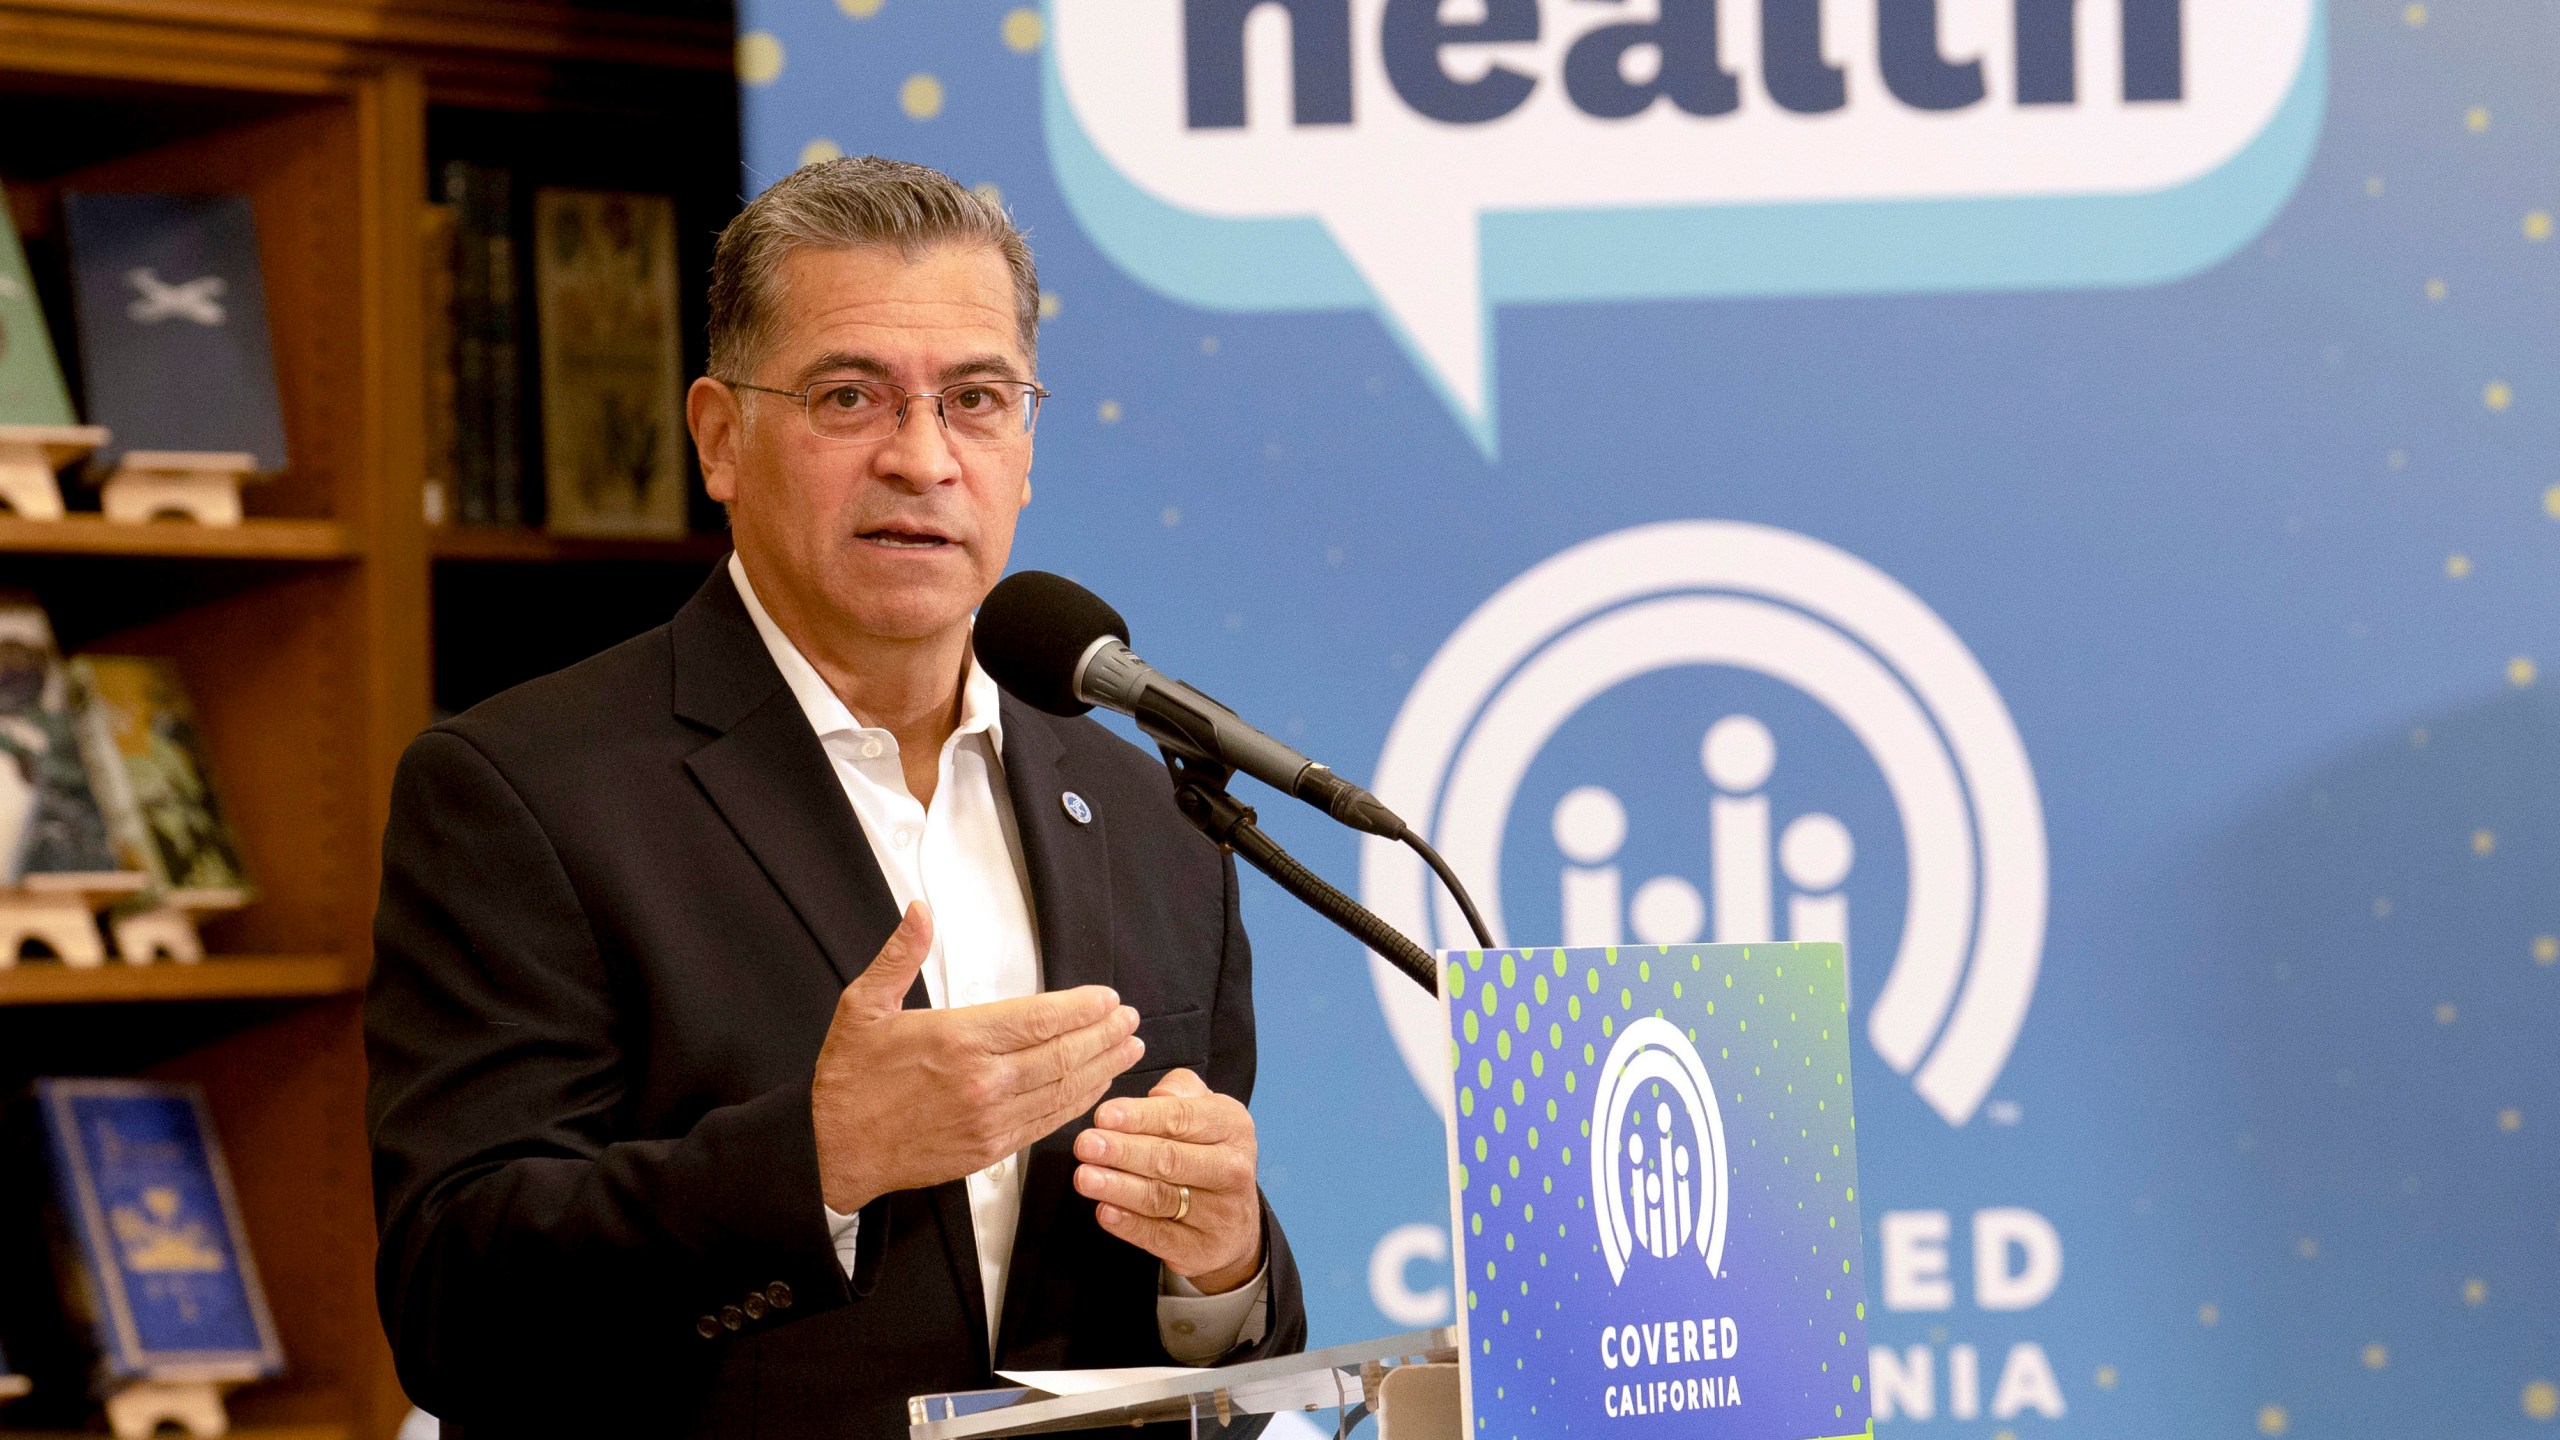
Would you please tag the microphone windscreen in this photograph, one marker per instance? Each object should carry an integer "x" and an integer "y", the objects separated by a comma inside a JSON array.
[{"x": 1033, "y": 628}]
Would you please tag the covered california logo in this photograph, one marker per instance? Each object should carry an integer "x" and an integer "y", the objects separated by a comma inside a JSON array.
[
  {"x": 1724, "y": 594},
  {"x": 1658, "y": 1158}
]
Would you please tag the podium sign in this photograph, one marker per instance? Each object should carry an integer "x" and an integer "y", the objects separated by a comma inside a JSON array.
[{"x": 1656, "y": 1192}]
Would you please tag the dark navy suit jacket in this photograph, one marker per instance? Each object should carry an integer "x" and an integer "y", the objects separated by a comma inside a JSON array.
[{"x": 618, "y": 905}]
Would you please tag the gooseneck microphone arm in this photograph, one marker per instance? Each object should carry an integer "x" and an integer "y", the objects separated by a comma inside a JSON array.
[{"x": 1200, "y": 792}]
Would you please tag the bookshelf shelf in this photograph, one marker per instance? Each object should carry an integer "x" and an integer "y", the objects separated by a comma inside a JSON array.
[
  {"x": 517, "y": 545},
  {"x": 319, "y": 540},
  {"x": 218, "y": 977}
]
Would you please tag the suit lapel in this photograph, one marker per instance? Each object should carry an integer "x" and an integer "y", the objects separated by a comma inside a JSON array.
[
  {"x": 1069, "y": 862},
  {"x": 769, "y": 777}
]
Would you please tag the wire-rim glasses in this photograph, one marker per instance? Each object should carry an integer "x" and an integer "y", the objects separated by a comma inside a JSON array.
[{"x": 981, "y": 412}]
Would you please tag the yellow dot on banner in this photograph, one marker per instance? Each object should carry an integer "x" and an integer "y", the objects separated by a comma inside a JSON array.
[
  {"x": 2397, "y": 459},
  {"x": 2484, "y": 842},
  {"x": 2415, "y": 14},
  {"x": 2373, "y": 185},
  {"x": 986, "y": 190},
  {"x": 2307, "y": 1248},
  {"x": 2375, "y": 1357},
  {"x": 820, "y": 150},
  {"x": 2208, "y": 1314},
  {"x": 1023, "y": 29},
  {"x": 2476, "y": 119},
  {"x": 2418, "y": 737},
  {"x": 2537, "y": 225},
  {"x": 2474, "y": 1292},
  {"x": 2381, "y": 908},
  {"x": 859, "y": 9},
  {"x": 2435, "y": 290},
  {"x": 2551, "y": 502},
  {"x": 2520, "y": 671},
  {"x": 1172, "y": 517},
  {"x": 2541, "y": 1399},
  {"x": 759, "y": 57},
  {"x": 2272, "y": 1420},
  {"x": 2457, "y": 565},
  {"x": 2511, "y": 1120},
  {"x": 1109, "y": 410},
  {"x": 920, "y": 97},
  {"x": 2106, "y": 1377},
  {"x": 1050, "y": 304},
  {"x": 2546, "y": 949},
  {"x": 2497, "y": 395},
  {"x": 2445, "y": 1014}
]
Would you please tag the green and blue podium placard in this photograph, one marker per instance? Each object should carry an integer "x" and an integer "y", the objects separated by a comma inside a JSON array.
[{"x": 1655, "y": 1192}]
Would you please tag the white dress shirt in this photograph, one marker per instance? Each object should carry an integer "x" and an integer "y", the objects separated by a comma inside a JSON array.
[{"x": 962, "y": 856}]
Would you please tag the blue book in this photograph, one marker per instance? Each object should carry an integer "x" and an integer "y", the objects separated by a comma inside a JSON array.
[
  {"x": 146, "y": 1204},
  {"x": 173, "y": 323}
]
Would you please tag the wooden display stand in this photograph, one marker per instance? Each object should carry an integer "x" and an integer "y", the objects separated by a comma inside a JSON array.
[
  {"x": 195, "y": 1406},
  {"x": 31, "y": 456},
  {"x": 203, "y": 486},
  {"x": 61, "y": 912},
  {"x": 165, "y": 931}
]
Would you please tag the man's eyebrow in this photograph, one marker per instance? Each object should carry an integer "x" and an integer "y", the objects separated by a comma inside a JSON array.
[
  {"x": 994, "y": 366},
  {"x": 839, "y": 361}
]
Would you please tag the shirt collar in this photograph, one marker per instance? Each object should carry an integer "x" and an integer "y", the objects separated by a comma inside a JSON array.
[{"x": 980, "y": 707}]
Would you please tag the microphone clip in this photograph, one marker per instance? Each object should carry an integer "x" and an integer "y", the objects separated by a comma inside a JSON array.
[{"x": 1200, "y": 793}]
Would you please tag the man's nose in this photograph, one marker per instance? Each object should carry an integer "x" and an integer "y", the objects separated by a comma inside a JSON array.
[{"x": 918, "y": 452}]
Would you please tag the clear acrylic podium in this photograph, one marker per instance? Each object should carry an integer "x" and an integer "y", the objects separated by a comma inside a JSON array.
[{"x": 1409, "y": 1381}]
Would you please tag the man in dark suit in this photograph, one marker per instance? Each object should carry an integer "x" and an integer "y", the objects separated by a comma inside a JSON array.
[{"x": 769, "y": 1020}]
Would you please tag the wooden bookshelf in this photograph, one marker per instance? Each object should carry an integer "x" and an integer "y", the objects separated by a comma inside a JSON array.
[
  {"x": 314, "y": 636},
  {"x": 216, "y": 977},
  {"x": 260, "y": 539}
]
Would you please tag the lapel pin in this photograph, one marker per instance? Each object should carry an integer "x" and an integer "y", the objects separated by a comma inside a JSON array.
[{"x": 1077, "y": 810}]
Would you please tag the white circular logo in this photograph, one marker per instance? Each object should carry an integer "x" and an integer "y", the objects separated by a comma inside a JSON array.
[
  {"x": 1657, "y": 1186},
  {"x": 1783, "y": 605}
]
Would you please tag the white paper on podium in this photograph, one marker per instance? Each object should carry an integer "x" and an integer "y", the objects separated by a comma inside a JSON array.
[
  {"x": 1087, "y": 1382},
  {"x": 1316, "y": 1389}
]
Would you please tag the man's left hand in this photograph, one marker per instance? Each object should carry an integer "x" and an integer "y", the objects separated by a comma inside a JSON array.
[{"x": 1142, "y": 1155}]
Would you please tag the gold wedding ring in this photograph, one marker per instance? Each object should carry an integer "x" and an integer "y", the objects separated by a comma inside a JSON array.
[{"x": 1181, "y": 1203}]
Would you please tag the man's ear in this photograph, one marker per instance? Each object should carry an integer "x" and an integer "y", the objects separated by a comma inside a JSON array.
[{"x": 711, "y": 412}]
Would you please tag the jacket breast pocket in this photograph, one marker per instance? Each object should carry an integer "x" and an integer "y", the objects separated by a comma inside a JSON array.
[{"x": 1175, "y": 1041}]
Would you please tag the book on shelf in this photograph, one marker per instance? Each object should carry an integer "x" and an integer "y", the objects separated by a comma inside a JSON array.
[
  {"x": 53, "y": 833},
  {"x": 487, "y": 352},
  {"x": 613, "y": 433},
  {"x": 154, "y": 782},
  {"x": 151, "y": 1263},
  {"x": 32, "y": 391},
  {"x": 171, "y": 304},
  {"x": 436, "y": 247}
]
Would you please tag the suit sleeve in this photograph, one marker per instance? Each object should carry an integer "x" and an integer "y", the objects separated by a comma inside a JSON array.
[
  {"x": 520, "y": 1246},
  {"x": 1231, "y": 1065}
]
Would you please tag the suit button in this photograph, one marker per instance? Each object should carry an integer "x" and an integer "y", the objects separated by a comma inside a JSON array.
[
  {"x": 708, "y": 1327},
  {"x": 732, "y": 1317},
  {"x": 778, "y": 1295},
  {"x": 1184, "y": 1327},
  {"x": 754, "y": 1305}
]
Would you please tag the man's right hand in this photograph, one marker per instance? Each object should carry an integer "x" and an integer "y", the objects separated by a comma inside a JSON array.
[{"x": 905, "y": 1099}]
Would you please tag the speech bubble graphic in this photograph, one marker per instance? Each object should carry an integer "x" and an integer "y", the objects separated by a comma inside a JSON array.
[{"x": 1434, "y": 159}]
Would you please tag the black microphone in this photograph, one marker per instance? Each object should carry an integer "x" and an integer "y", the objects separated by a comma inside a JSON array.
[{"x": 1060, "y": 648}]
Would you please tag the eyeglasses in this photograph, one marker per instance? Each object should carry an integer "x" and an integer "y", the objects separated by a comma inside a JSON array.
[{"x": 978, "y": 412}]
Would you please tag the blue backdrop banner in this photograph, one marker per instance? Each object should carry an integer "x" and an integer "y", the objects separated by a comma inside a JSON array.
[{"x": 2057, "y": 496}]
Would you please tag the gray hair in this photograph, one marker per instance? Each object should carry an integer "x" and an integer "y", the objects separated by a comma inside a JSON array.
[{"x": 843, "y": 204}]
